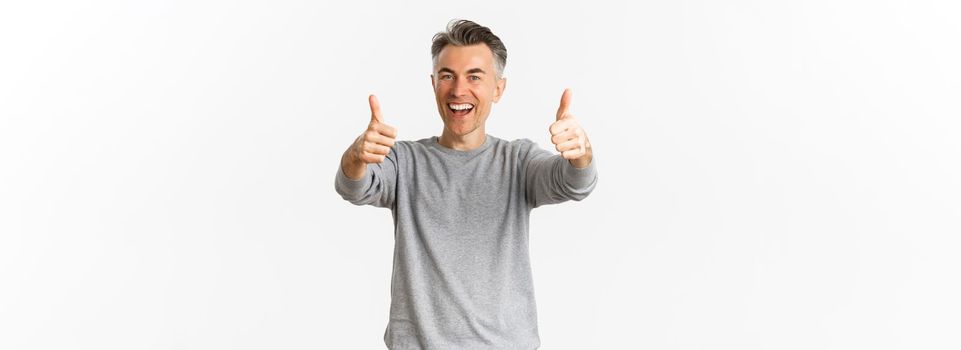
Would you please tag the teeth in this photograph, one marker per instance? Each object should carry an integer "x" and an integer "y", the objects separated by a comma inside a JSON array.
[{"x": 461, "y": 106}]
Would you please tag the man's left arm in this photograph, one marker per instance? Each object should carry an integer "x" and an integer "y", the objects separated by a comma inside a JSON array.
[{"x": 572, "y": 174}]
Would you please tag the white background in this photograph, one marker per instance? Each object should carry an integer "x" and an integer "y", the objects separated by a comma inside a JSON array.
[{"x": 773, "y": 174}]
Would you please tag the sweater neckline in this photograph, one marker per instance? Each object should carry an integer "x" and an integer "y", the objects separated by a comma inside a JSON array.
[{"x": 435, "y": 143}]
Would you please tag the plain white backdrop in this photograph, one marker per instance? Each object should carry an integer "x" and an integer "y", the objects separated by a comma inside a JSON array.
[{"x": 773, "y": 174}]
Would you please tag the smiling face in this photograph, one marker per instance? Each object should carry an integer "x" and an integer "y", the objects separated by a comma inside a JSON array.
[{"x": 465, "y": 85}]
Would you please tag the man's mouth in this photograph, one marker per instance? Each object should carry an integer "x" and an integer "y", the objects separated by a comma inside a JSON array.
[{"x": 460, "y": 109}]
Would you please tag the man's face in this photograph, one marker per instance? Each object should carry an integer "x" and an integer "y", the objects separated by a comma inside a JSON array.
[{"x": 464, "y": 76}]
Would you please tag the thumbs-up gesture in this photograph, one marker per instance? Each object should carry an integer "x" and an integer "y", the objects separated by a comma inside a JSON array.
[
  {"x": 568, "y": 137},
  {"x": 374, "y": 144},
  {"x": 370, "y": 147}
]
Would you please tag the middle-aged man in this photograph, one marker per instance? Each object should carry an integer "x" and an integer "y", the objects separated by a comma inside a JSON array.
[{"x": 461, "y": 203}]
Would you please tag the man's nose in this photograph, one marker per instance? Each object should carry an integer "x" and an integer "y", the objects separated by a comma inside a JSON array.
[{"x": 459, "y": 89}]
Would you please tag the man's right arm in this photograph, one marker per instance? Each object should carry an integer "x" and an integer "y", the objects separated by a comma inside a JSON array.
[{"x": 360, "y": 183}]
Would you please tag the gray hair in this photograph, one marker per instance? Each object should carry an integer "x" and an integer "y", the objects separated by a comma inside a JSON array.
[{"x": 461, "y": 32}]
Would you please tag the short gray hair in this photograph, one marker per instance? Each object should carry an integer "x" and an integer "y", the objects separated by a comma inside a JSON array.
[{"x": 461, "y": 32}]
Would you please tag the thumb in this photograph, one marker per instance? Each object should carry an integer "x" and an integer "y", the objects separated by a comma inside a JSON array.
[
  {"x": 375, "y": 109},
  {"x": 565, "y": 104}
]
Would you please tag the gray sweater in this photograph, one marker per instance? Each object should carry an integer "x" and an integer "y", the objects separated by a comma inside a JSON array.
[{"x": 462, "y": 274}]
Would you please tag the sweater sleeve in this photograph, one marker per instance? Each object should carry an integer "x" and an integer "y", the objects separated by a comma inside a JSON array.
[
  {"x": 551, "y": 179},
  {"x": 376, "y": 187}
]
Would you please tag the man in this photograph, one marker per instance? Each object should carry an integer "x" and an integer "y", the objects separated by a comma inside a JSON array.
[{"x": 461, "y": 203}]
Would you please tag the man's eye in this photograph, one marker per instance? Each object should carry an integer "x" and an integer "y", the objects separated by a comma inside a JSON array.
[
  {"x": 474, "y": 77},
  {"x": 446, "y": 76}
]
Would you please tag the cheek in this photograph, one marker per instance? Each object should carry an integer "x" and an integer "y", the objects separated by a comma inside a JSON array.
[{"x": 484, "y": 92}]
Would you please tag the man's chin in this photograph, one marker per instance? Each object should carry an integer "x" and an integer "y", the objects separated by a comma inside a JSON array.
[
  {"x": 459, "y": 129},
  {"x": 460, "y": 126}
]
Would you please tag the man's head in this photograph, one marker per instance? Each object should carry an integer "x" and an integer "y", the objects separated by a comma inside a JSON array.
[{"x": 469, "y": 63}]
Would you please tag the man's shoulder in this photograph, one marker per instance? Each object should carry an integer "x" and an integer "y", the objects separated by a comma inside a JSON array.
[
  {"x": 523, "y": 149},
  {"x": 413, "y": 145},
  {"x": 523, "y": 142},
  {"x": 523, "y": 145}
]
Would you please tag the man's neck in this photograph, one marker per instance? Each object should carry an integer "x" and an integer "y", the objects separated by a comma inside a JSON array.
[{"x": 463, "y": 143}]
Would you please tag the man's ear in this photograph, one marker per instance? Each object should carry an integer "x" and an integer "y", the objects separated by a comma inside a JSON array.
[
  {"x": 499, "y": 90},
  {"x": 432, "y": 85}
]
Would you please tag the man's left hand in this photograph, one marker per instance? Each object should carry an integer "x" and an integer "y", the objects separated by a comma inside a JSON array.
[{"x": 568, "y": 136}]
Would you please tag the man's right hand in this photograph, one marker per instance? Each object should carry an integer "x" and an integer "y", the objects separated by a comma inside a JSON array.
[{"x": 370, "y": 147}]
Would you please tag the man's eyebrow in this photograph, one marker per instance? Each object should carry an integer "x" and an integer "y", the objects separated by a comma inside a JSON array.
[{"x": 469, "y": 71}]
